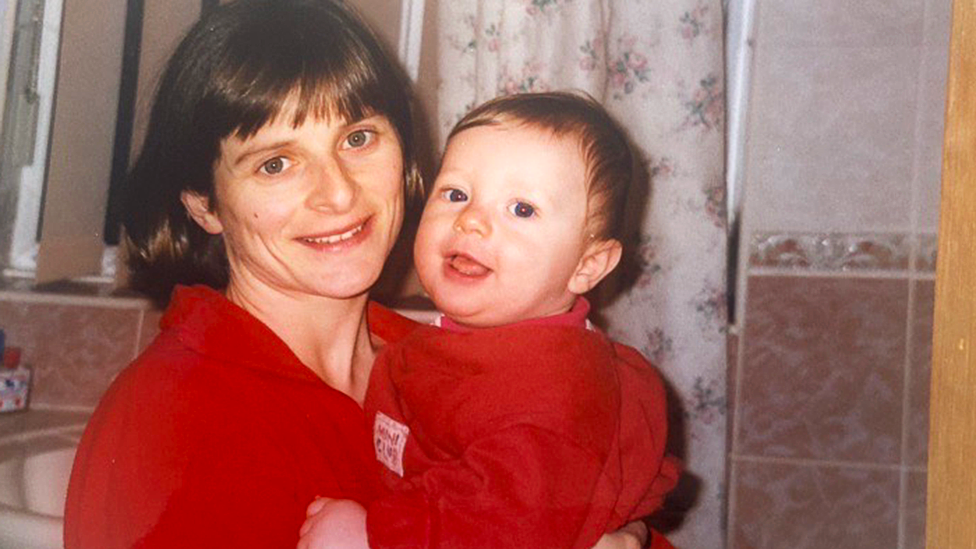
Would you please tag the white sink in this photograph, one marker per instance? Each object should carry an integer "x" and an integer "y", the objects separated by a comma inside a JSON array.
[{"x": 34, "y": 471}]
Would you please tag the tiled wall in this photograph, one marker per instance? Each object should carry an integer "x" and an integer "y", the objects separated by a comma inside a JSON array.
[
  {"x": 75, "y": 340},
  {"x": 845, "y": 121},
  {"x": 831, "y": 399},
  {"x": 829, "y": 365}
]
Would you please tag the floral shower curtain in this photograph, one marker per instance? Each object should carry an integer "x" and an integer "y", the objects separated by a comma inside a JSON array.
[{"x": 657, "y": 66}]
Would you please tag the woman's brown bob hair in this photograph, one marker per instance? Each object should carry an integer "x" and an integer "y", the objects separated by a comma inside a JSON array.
[{"x": 231, "y": 74}]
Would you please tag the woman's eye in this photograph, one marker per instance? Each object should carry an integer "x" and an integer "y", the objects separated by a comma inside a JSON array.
[
  {"x": 522, "y": 209},
  {"x": 454, "y": 195},
  {"x": 275, "y": 165},
  {"x": 359, "y": 138}
]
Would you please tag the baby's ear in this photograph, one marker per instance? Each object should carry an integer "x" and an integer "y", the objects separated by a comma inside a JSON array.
[
  {"x": 198, "y": 206},
  {"x": 600, "y": 258}
]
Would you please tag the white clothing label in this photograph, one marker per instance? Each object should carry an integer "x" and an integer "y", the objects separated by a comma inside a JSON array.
[{"x": 389, "y": 439}]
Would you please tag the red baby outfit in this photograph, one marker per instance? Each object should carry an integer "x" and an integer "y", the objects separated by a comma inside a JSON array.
[{"x": 537, "y": 434}]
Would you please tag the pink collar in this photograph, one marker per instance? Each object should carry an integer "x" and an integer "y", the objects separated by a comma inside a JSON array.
[{"x": 575, "y": 317}]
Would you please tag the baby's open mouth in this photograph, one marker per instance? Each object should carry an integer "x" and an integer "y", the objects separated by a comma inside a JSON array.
[{"x": 466, "y": 265}]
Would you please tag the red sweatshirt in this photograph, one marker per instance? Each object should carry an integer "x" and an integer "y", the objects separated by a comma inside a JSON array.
[
  {"x": 217, "y": 436},
  {"x": 538, "y": 434}
]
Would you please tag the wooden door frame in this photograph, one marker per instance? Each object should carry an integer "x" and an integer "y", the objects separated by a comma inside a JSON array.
[{"x": 951, "y": 502}]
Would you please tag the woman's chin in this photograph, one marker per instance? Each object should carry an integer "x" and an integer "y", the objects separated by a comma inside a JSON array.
[
  {"x": 345, "y": 289},
  {"x": 335, "y": 286}
]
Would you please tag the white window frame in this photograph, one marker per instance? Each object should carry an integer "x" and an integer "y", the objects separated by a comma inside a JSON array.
[
  {"x": 411, "y": 36},
  {"x": 739, "y": 27},
  {"x": 22, "y": 260}
]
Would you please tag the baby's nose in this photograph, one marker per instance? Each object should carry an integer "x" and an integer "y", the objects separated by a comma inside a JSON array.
[{"x": 473, "y": 220}]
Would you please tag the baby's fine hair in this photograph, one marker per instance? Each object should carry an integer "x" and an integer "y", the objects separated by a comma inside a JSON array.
[{"x": 603, "y": 144}]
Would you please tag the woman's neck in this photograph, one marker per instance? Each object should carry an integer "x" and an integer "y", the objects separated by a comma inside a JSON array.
[{"x": 330, "y": 336}]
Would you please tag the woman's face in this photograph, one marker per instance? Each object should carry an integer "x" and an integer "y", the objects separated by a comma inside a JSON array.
[{"x": 308, "y": 210}]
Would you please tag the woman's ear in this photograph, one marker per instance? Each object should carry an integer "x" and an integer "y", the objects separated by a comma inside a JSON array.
[
  {"x": 600, "y": 259},
  {"x": 198, "y": 207}
]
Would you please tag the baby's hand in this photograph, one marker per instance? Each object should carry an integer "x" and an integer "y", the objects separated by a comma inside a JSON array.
[
  {"x": 630, "y": 536},
  {"x": 334, "y": 524}
]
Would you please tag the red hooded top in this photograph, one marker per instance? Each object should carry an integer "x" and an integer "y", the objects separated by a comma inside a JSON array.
[{"x": 217, "y": 436}]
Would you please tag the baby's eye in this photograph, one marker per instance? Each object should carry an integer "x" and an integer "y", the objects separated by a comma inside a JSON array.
[
  {"x": 358, "y": 139},
  {"x": 275, "y": 165},
  {"x": 454, "y": 195},
  {"x": 522, "y": 209}
]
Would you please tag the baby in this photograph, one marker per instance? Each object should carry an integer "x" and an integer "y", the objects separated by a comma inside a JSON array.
[{"x": 513, "y": 423}]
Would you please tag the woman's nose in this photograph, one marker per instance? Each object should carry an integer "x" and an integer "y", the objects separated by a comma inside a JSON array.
[
  {"x": 333, "y": 188},
  {"x": 473, "y": 220}
]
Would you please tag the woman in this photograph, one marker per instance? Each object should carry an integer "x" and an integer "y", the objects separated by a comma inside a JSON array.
[{"x": 273, "y": 176}]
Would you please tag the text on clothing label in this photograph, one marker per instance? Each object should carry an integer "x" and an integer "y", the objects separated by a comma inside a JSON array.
[{"x": 389, "y": 439}]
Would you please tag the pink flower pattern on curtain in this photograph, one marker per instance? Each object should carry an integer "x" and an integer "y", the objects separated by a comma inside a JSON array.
[{"x": 658, "y": 67}]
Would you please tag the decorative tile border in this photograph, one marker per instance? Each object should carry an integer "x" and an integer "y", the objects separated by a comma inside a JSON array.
[
  {"x": 928, "y": 249},
  {"x": 93, "y": 294},
  {"x": 842, "y": 252}
]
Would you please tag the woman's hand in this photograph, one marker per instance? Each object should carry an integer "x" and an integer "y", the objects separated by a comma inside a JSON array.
[
  {"x": 632, "y": 536},
  {"x": 334, "y": 524}
]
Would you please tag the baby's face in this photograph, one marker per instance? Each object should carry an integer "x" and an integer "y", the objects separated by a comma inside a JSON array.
[{"x": 504, "y": 228}]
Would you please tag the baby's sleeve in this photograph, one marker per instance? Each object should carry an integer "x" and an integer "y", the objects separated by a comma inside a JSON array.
[
  {"x": 524, "y": 486},
  {"x": 650, "y": 473}
]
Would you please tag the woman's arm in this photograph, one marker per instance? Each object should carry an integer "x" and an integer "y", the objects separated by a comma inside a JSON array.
[
  {"x": 341, "y": 524},
  {"x": 140, "y": 482},
  {"x": 165, "y": 463}
]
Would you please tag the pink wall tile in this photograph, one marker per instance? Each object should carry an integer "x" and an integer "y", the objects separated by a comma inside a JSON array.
[
  {"x": 914, "y": 517},
  {"x": 938, "y": 23},
  {"x": 928, "y": 147},
  {"x": 808, "y": 507},
  {"x": 732, "y": 372},
  {"x": 920, "y": 363},
  {"x": 841, "y": 22},
  {"x": 831, "y": 138},
  {"x": 822, "y": 369},
  {"x": 75, "y": 350}
]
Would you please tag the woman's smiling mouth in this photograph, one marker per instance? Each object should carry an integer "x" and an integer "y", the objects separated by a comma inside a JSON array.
[{"x": 336, "y": 238}]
